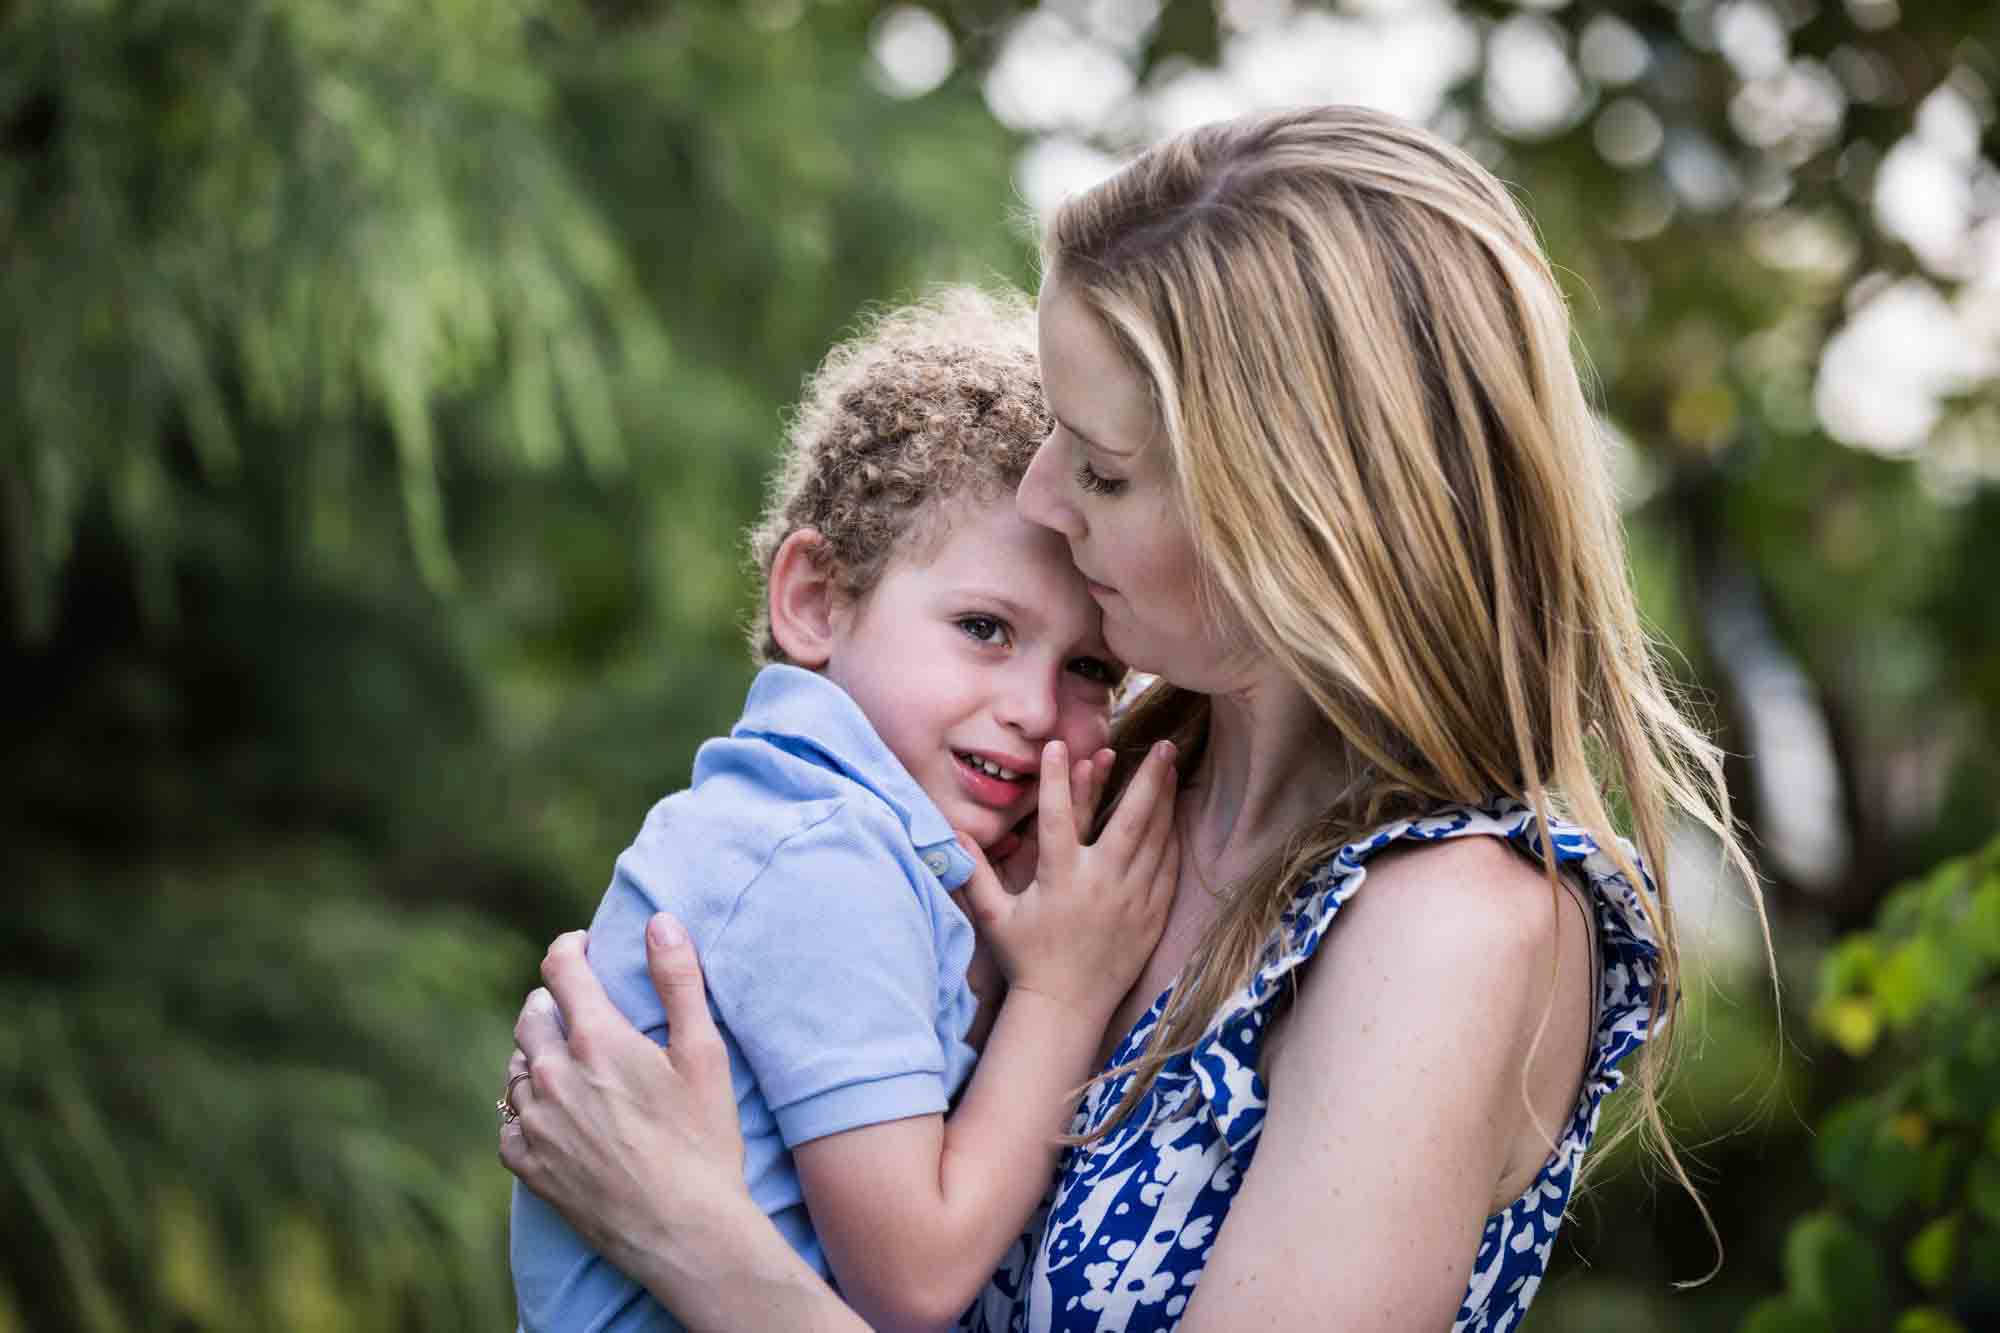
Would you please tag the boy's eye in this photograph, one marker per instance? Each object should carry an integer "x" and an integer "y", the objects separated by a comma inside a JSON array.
[
  {"x": 984, "y": 629},
  {"x": 1097, "y": 671},
  {"x": 1089, "y": 479}
]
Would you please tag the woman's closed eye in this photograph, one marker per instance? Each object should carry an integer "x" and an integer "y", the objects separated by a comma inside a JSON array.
[
  {"x": 985, "y": 629},
  {"x": 1090, "y": 479}
]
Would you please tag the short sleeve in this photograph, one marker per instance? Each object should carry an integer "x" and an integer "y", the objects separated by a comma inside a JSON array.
[{"x": 828, "y": 977}]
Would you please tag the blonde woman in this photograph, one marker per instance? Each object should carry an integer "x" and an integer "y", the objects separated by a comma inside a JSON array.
[{"x": 1322, "y": 454}]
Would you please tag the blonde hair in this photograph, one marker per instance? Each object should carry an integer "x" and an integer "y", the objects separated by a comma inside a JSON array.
[
  {"x": 1362, "y": 368},
  {"x": 926, "y": 403}
]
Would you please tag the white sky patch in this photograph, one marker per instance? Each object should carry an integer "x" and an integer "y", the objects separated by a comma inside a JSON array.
[
  {"x": 1192, "y": 95},
  {"x": 1051, "y": 77},
  {"x": 1885, "y": 371},
  {"x": 1050, "y": 170},
  {"x": 1628, "y": 134},
  {"x": 1701, "y": 176},
  {"x": 910, "y": 51},
  {"x": 1752, "y": 38},
  {"x": 1121, "y": 23},
  {"x": 1924, "y": 193},
  {"x": 1924, "y": 199},
  {"x": 1532, "y": 89},
  {"x": 1402, "y": 60},
  {"x": 1795, "y": 112},
  {"x": 1612, "y": 52},
  {"x": 1796, "y": 777}
]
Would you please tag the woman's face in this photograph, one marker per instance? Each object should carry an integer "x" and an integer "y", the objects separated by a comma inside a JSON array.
[{"x": 1102, "y": 479}]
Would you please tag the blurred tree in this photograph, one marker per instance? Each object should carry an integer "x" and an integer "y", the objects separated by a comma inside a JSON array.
[
  {"x": 387, "y": 382},
  {"x": 386, "y": 385}
]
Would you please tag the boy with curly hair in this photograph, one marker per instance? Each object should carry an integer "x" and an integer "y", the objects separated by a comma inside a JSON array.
[{"x": 932, "y": 664}]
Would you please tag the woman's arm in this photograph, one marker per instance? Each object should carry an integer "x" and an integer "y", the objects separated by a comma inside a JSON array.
[
  {"x": 639, "y": 1149},
  {"x": 1396, "y": 1097}
]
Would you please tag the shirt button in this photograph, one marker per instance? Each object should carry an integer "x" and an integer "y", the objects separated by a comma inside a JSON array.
[{"x": 936, "y": 862}]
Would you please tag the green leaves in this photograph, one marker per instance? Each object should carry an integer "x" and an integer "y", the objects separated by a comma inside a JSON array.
[
  {"x": 1912, "y": 1164},
  {"x": 1834, "y": 1270}
]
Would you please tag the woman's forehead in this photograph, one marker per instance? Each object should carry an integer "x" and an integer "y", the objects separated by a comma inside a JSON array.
[{"x": 1092, "y": 388}]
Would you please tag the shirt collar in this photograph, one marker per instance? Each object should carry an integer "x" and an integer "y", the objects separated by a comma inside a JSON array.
[{"x": 804, "y": 713}]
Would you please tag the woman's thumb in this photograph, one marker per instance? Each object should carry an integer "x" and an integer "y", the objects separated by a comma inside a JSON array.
[{"x": 676, "y": 972}]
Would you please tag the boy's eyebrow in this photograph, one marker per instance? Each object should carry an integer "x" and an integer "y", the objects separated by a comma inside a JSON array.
[
  {"x": 999, "y": 601},
  {"x": 1103, "y": 449}
]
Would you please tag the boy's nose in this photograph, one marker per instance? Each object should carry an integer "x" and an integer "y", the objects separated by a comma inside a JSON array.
[{"x": 1028, "y": 705}]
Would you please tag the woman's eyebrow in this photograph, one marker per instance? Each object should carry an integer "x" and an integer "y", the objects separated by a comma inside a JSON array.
[{"x": 1101, "y": 448}]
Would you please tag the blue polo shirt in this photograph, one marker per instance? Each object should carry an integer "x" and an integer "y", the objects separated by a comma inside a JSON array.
[{"x": 812, "y": 873}]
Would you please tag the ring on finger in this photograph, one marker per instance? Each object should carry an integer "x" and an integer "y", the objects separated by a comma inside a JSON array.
[{"x": 509, "y": 1112}]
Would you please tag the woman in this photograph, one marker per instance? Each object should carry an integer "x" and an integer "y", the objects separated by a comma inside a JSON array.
[{"x": 1322, "y": 453}]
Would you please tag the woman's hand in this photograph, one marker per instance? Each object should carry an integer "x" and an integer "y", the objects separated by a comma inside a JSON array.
[
  {"x": 637, "y": 1147},
  {"x": 1082, "y": 932}
]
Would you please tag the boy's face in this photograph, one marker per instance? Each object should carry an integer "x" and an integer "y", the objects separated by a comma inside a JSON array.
[{"x": 970, "y": 653}]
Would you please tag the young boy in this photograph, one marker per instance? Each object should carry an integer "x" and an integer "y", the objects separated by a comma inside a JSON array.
[{"x": 934, "y": 660}]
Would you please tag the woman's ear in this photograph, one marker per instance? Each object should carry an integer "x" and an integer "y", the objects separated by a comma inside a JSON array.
[{"x": 803, "y": 601}]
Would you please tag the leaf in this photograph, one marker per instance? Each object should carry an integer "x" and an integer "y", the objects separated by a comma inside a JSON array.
[
  {"x": 1850, "y": 965},
  {"x": 1983, "y": 1190},
  {"x": 1982, "y": 921},
  {"x": 1835, "y": 1270},
  {"x": 1938, "y": 1179},
  {"x": 1784, "y": 1314},
  {"x": 1982, "y": 1258},
  {"x": 1869, "y": 1155},
  {"x": 1851, "y": 1022},
  {"x": 1927, "y": 1319},
  {"x": 1933, "y": 1252},
  {"x": 1906, "y": 982}
]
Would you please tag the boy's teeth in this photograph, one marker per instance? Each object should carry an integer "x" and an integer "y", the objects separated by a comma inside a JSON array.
[{"x": 988, "y": 766}]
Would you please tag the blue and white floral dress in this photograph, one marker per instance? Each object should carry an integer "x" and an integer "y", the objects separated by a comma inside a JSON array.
[{"x": 1123, "y": 1237}]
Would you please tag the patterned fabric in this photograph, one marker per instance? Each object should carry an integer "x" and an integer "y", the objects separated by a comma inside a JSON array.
[{"x": 1122, "y": 1239}]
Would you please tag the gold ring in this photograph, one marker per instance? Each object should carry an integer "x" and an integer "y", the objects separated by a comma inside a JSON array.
[{"x": 509, "y": 1113}]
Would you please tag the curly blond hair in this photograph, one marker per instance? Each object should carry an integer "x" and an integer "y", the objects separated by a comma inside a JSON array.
[{"x": 926, "y": 403}]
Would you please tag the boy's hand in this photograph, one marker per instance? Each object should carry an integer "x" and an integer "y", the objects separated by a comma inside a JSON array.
[
  {"x": 1081, "y": 933},
  {"x": 1017, "y": 863},
  {"x": 1017, "y": 871}
]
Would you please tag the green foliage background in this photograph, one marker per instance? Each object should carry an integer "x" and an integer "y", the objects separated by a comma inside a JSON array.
[{"x": 386, "y": 385}]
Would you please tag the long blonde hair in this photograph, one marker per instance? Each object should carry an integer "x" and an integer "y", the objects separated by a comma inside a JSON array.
[{"x": 1362, "y": 368}]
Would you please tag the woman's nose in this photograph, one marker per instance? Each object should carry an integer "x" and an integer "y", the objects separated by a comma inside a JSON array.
[{"x": 1040, "y": 499}]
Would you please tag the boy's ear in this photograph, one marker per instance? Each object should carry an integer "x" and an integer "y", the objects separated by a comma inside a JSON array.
[{"x": 803, "y": 601}]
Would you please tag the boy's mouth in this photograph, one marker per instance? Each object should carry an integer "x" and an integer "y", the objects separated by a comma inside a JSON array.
[
  {"x": 991, "y": 783},
  {"x": 991, "y": 768}
]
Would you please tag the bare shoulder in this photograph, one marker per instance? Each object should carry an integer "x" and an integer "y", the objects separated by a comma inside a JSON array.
[{"x": 1460, "y": 896}]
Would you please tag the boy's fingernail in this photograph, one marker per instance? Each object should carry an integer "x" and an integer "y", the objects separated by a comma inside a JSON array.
[
  {"x": 1164, "y": 749},
  {"x": 667, "y": 933}
]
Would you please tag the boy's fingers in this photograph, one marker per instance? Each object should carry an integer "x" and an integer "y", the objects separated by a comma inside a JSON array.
[
  {"x": 984, "y": 897},
  {"x": 1123, "y": 835},
  {"x": 1166, "y": 878},
  {"x": 1055, "y": 818},
  {"x": 676, "y": 972},
  {"x": 579, "y": 994},
  {"x": 1159, "y": 831},
  {"x": 1082, "y": 796},
  {"x": 1101, "y": 765}
]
